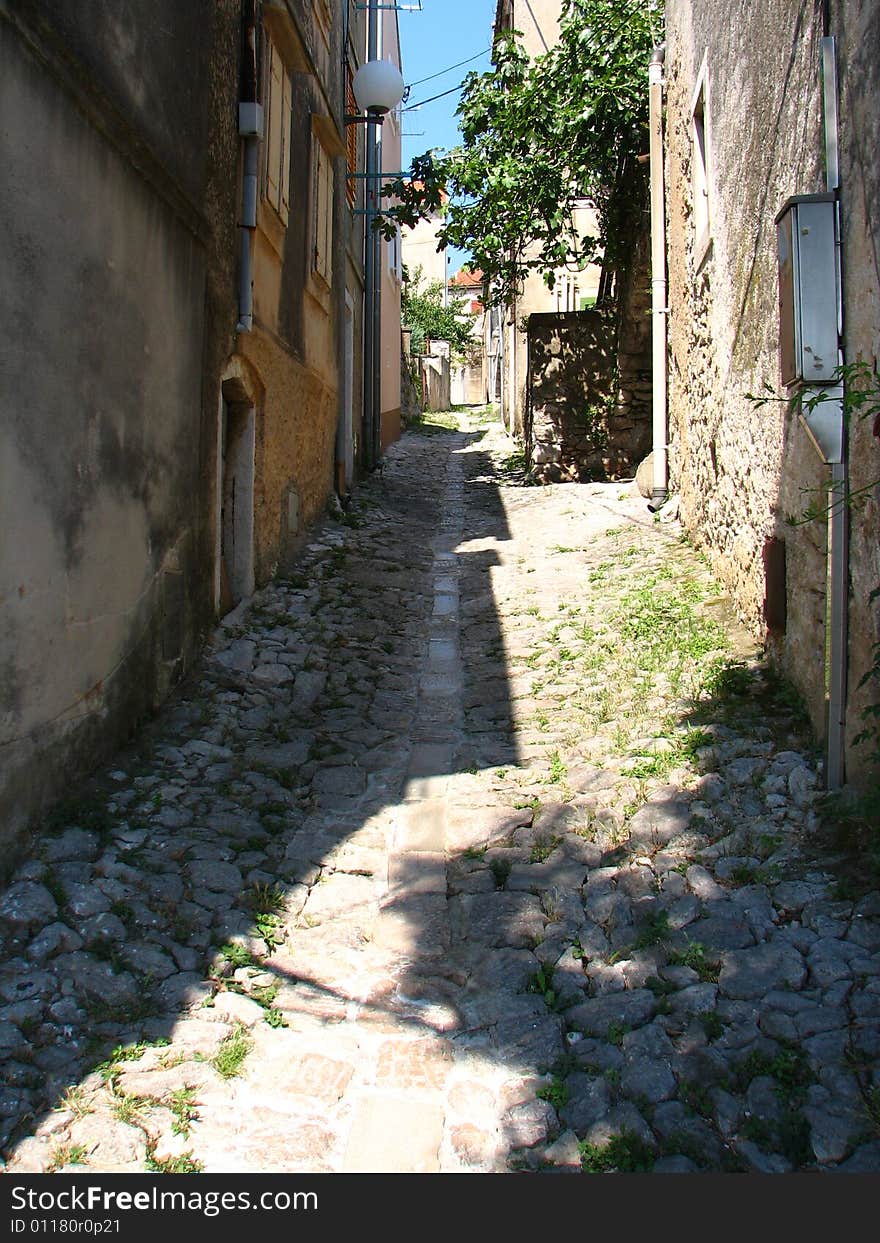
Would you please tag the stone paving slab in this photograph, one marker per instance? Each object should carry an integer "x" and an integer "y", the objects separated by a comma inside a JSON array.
[{"x": 449, "y": 858}]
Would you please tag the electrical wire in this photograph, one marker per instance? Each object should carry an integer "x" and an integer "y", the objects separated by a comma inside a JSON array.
[
  {"x": 442, "y": 95},
  {"x": 449, "y": 68}
]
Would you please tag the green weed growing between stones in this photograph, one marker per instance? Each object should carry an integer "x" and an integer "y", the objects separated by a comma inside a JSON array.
[
  {"x": 554, "y": 1093},
  {"x": 558, "y": 770},
  {"x": 236, "y": 955},
  {"x": 543, "y": 848},
  {"x": 230, "y": 1056},
  {"x": 182, "y": 1104},
  {"x": 626, "y": 1153},
  {"x": 184, "y": 1164},
  {"x": 500, "y": 869},
  {"x": 699, "y": 959},
  {"x": 128, "y": 1108},
  {"x": 656, "y": 931},
  {"x": 75, "y": 1101},
  {"x": 67, "y": 1154},
  {"x": 109, "y": 1069},
  {"x": 712, "y": 1024},
  {"x": 542, "y": 984}
]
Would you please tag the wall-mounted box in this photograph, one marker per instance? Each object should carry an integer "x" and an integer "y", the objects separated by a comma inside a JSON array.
[
  {"x": 250, "y": 120},
  {"x": 808, "y": 289}
]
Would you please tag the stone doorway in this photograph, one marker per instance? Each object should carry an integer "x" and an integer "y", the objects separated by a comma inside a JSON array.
[{"x": 234, "y": 578}]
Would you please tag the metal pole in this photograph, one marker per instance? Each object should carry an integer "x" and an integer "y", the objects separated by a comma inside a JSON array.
[
  {"x": 658, "y": 279},
  {"x": 377, "y": 306},
  {"x": 838, "y": 585},
  {"x": 370, "y": 344},
  {"x": 838, "y": 517}
]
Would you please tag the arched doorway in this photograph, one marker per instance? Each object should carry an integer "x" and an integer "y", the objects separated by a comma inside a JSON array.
[{"x": 236, "y": 442}]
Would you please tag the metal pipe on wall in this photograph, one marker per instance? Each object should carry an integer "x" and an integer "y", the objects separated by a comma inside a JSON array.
[
  {"x": 659, "y": 308},
  {"x": 250, "y": 127},
  {"x": 838, "y": 516},
  {"x": 371, "y": 342},
  {"x": 377, "y": 307}
]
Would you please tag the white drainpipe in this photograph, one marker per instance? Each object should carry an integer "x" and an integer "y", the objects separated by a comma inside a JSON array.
[
  {"x": 250, "y": 127},
  {"x": 659, "y": 309}
]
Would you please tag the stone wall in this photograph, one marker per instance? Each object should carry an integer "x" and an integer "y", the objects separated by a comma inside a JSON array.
[
  {"x": 572, "y": 364},
  {"x": 589, "y": 410},
  {"x": 436, "y": 377},
  {"x": 747, "y": 471},
  {"x": 410, "y": 396},
  {"x": 468, "y": 385}
]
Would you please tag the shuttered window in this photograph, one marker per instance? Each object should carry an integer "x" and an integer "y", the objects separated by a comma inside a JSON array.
[
  {"x": 278, "y": 113},
  {"x": 351, "y": 140},
  {"x": 322, "y": 205}
]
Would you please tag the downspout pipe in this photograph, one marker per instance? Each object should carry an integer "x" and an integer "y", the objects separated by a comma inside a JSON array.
[
  {"x": 376, "y": 132},
  {"x": 250, "y": 128},
  {"x": 837, "y": 640},
  {"x": 659, "y": 308},
  {"x": 371, "y": 343},
  {"x": 248, "y": 224}
]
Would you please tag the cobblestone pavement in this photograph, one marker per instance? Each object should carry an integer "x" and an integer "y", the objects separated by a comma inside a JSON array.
[{"x": 482, "y": 842}]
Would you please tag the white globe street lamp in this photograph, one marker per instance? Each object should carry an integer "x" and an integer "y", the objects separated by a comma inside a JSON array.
[{"x": 378, "y": 87}]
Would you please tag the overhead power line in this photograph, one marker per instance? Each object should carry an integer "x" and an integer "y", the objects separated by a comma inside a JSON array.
[
  {"x": 442, "y": 94},
  {"x": 449, "y": 68}
]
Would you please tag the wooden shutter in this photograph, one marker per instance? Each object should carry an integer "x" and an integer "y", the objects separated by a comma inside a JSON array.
[
  {"x": 351, "y": 141},
  {"x": 316, "y": 204},
  {"x": 274, "y": 139},
  {"x": 284, "y": 169},
  {"x": 327, "y": 178}
]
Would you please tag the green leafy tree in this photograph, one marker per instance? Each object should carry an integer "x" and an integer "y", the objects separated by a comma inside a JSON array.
[
  {"x": 538, "y": 137},
  {"x": 422, "y": 310}
]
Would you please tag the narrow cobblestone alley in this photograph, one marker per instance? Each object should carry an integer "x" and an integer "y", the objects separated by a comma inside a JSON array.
[{"x": 481, "y": 842}]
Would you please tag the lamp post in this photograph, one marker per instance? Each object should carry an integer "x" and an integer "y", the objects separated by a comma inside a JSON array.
[{"x": 378, "y": 87}]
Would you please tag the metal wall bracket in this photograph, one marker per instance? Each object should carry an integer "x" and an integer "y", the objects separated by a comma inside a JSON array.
[{"x": 823, "y": 422}]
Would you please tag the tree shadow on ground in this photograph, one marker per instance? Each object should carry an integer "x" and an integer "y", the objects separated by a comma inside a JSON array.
[{"x": 278, "y": 866}]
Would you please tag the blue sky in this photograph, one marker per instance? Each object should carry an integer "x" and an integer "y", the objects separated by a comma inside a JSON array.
[{"x": 432, "y": 41}]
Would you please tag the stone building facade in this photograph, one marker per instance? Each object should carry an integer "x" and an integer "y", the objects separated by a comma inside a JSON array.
[{"x": 744, "y": 132}]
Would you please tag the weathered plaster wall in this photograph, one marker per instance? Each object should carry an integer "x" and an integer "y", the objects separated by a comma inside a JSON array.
[
  {"x": 110, "y": 270},
  {"x": 742, "y": 469}
]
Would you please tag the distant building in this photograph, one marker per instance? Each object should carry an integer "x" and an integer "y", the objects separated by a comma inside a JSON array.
[
  {"x": 470, "y": 382},
  {"x": 422, "y": 251}
]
